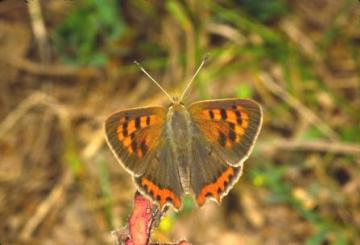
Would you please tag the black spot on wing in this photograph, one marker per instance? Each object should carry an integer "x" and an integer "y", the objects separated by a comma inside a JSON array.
[
  {"x": 211, "y": 114},
  {"x": 222, "y": 139},
  {"x": 133, "y": 145},
  {"x": 231, "y": 125},
  {"x": 124, "y": 130},
  {"x": 223, "y": 114},
  {"x": 232, "y": 135},
  {"x": 143, "y": 148},
  {"x": 238, "y": 117},
  {"x": 137, "y": 122}
]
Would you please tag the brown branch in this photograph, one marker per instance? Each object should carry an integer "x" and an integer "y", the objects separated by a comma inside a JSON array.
[
  {"x": 295, "y": 103},
  {"x": 316, "y": 145},
  {"x": 39, "y": 30},
  {"x": 51, "y": 70},
  {"x": 55, "y": 198}
]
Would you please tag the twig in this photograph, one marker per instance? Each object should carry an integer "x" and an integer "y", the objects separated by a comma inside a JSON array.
[
  {"x": 292, "y": 101},
  {"x": 306, "y": 44},
  {"x": 227, "y": 31},
  {"x": 144, "y": 218},
  {"x": 55, "y": 197},
  {"x": 323, "y": 146},
  {"x": 301, "y": 39},
  {"x": 36, "y": 98},
  {"x": 39, "y": 29},
  {"x": 14, "y": 116},
  {"x": 51, "y": 70}
]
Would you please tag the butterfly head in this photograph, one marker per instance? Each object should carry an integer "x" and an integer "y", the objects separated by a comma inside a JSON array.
[
  {"x": 176, "y": 100},
  {"x": 176, "y": 103}
]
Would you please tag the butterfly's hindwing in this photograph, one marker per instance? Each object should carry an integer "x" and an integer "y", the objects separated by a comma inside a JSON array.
[
  {"x": 231, "y": 125},
  {"x": 133, "y": 134},
  {"x": 211, "y": 177},
  {"x": 161, "y": 179},
  {"x": 224, "y": 134}
]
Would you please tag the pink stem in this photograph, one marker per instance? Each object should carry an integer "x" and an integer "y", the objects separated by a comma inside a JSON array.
[{"x": 145, "y": 216}]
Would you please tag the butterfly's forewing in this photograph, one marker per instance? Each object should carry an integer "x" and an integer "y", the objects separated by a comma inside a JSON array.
[
  {"x": 136, "y": 137},
  {"x": 226, "y": 131},
  {"x": 132, "y": 134},
  {"x": 231, "y": 125}
]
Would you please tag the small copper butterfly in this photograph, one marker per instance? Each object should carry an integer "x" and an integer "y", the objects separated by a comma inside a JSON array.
[{"x": 198, "y": 149}]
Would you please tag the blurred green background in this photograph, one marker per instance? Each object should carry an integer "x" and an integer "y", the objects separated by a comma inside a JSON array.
[{"x": 67, "y": 65}]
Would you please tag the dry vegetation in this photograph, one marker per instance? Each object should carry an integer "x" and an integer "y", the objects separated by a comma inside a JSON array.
[{"x": 66, "y": 65}]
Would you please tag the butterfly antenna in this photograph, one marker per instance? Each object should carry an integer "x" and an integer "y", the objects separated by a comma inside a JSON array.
[
  {"x": 152, "y": 79},
  {"x": 193, "y": 77}
]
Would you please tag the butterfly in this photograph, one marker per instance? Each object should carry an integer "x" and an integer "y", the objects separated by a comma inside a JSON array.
[{"x": 199, "y": 149}]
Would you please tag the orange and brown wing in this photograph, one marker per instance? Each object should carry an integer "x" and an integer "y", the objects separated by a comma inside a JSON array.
[
  {"x": 161, "y": 179},
  {"x": 231, "y": 125},
  {"x": 210, "y": 176},
  {"x": 134, "y": 134},
  {"x": 138, "y": 139},
  {"x": 224, "y": 134}
]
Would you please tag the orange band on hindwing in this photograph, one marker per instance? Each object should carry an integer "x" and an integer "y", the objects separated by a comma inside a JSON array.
[
  {"x": 161, "y": 195},
  {"x": 219, "y": 186}
]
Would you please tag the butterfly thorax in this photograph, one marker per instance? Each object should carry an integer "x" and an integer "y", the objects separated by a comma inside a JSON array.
[
  {"x": 179, "y": 124},
  {"x": 178, "y": 130}
]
